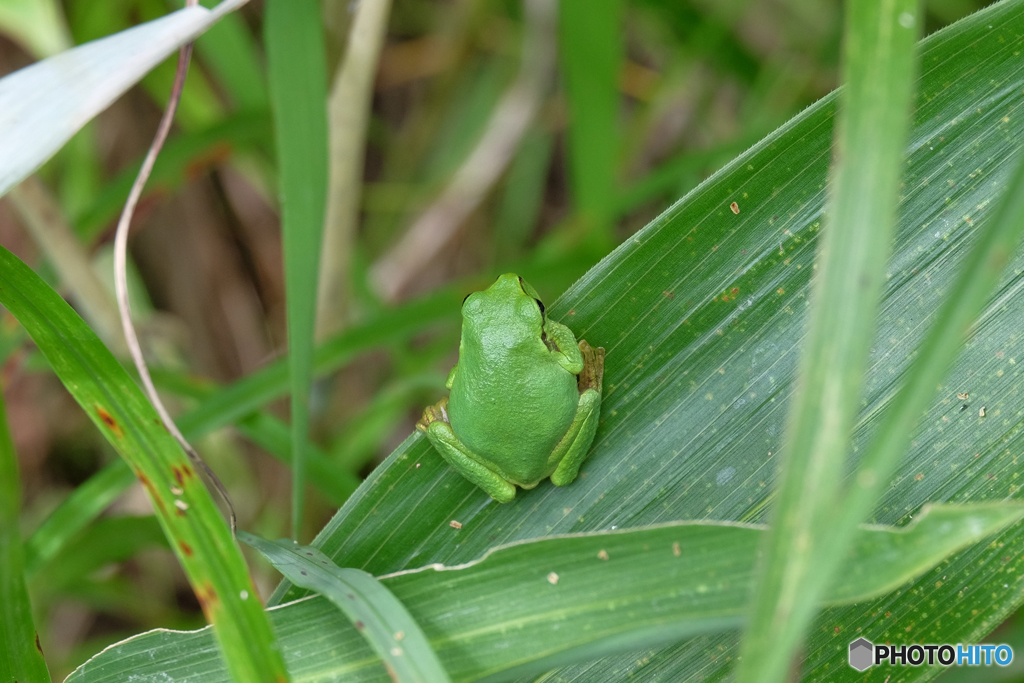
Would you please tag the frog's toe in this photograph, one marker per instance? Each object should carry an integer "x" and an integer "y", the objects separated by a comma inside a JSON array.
[
  {"x": 503, "y": 495},
  {"x": 435, "y": 413}
]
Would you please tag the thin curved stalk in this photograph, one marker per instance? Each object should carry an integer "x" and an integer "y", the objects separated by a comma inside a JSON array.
[{"x": 121, "y": 276}]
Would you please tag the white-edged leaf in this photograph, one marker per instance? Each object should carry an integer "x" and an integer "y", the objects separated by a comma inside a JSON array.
[{"x": 43, "y": 105}]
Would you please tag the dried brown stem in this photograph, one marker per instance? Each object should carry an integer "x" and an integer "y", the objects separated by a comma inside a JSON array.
[
  {"x": 348, "y": 111},
  {"x": 121, "y": 266}
]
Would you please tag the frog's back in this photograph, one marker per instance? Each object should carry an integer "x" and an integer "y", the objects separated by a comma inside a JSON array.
[{"x": 517, "y": 412}]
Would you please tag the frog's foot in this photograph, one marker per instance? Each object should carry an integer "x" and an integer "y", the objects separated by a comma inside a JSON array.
[
  {"x": 435, "y": 413},
  {"x": 592, "y": 375},
  {"x": 573, "y": 449},
  {"x": 455, "y": 453}
]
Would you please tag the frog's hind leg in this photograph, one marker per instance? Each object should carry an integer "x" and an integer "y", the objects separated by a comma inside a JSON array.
[
  {"x": 572, "y": 450},
  {"x": 435, "y": 425}
]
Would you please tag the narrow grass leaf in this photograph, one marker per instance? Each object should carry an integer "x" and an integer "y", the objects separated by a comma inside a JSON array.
[
  {"x": 871, "y": 130},
  {"x": 21, "y": 657},
  {"x": 191, "y": 521},
  {"x": 375, "y": 612},
  {"x": 978, "y": 277},
  {"x": 591, "y": 48},
  {"x": 523, "y": 608},
  {"x": 298, "y": 92},
  {"x": 248, "y": 394},
  {"x": 38, "y": 25},
  {"x": 75, "y": 513},
  {"x": 273, "y": 436},
  {"x": 109, "y": 540},
  {"x": 230, "y": 51},
  {"x": 43, "y": 105},
  {"x": 88, "y": 500}
]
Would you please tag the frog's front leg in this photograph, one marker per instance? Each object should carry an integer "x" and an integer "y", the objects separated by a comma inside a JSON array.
[
  {"x": 561, "y": 340},
  {"x": 438, "y": 429},
  {"x": 573, "y": 448}
]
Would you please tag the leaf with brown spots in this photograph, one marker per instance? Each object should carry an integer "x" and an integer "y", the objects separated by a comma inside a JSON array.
[
  {"x": 108, "y": 420},
  {"x": 110, "y": 397}
]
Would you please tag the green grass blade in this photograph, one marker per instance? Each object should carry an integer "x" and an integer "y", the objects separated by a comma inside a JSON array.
[
  {"x": 591, "y": 46},
  {"x": 230, "y": 51},
  {"x": 91, "y": 498},
  {"x": 273, "y": 436},
  {"x": 523, "y": 194},
  {"x": 523, "y": 608},
  {"x": 248, "y": 394},
  {"x": 871, "y": 129},
  {"x": 21, "y": 657},
  {"x": 39, "y": 27},
  {"x": 392, "y": 633},
  {"x": 298, "y": 91},
  {"x": 109, "y": 540},
  {"x": 88, "y": 500},
  {"x": 897, "y": 554},
  {"x": 191, "y": 521},
  {"x": 978, "y": 277},
  {"x": 75, "y": 513}
]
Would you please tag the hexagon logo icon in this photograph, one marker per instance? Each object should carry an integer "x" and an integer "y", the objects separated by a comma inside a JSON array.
[{"x": 861, "y": 654}]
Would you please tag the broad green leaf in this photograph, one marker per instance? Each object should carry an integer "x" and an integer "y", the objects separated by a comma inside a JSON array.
[
  {"x": 293, "y": 32},
  {"x": 43, "y": 105},
  {"x": 528, "y": 606},
  {"x": 702, "y": 313},
  {"x": 387, "y": 626},
  {"x": 191, "y": 521},
  {"x": 21, "y": 657},
  {"x": 879, "y": 65}
]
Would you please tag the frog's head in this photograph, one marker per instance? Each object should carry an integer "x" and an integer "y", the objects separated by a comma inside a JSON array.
[{"x": 509, "y": 304}]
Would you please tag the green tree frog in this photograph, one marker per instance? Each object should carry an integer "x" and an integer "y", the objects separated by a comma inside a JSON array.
[{"x": 525, "y": 397}]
